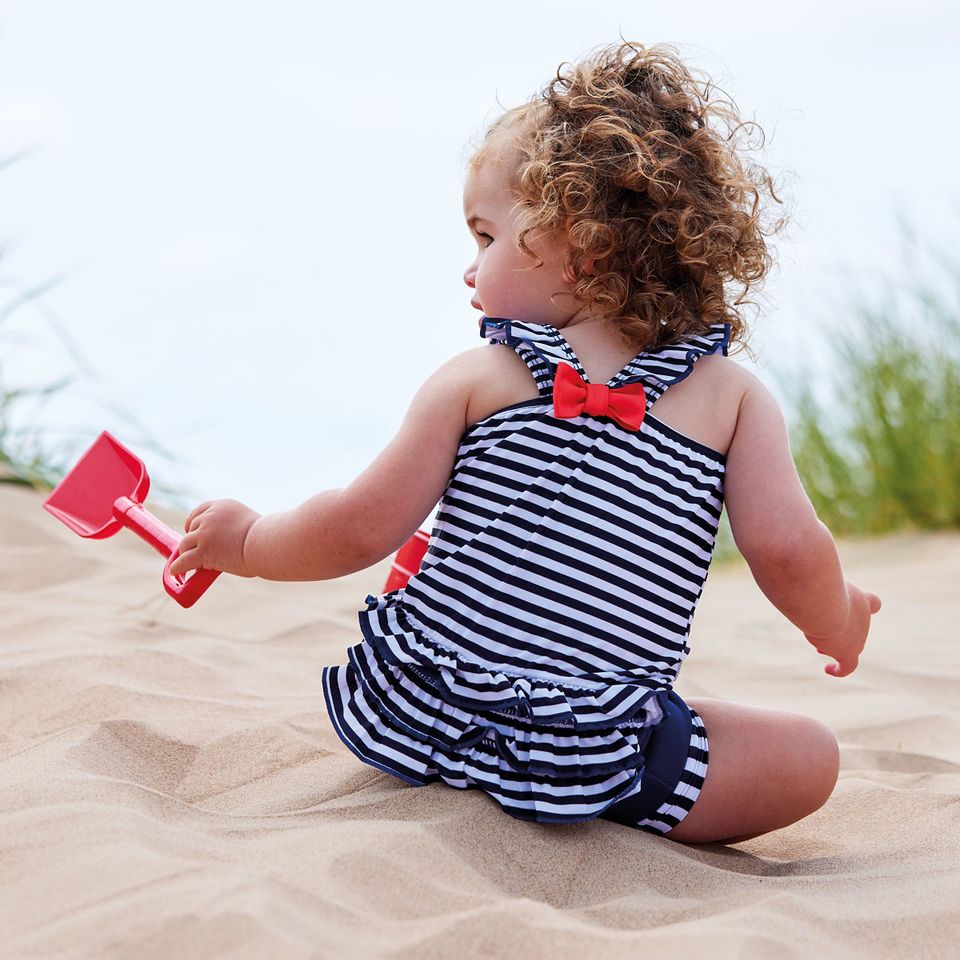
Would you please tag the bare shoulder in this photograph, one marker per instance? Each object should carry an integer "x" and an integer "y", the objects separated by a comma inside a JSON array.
[
  {"x": 743, "y": 383},
  {"x": 499, "y": 378},
  {"x": 725, "y": 370},
  {"x": 704, "y": 406},
  {"x": 726, "y": 383}
]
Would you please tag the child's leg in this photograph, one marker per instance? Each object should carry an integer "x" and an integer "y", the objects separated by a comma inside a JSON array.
[{"x": 767, "y": 768}]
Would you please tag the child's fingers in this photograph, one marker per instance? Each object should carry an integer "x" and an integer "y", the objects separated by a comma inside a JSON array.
[
  {"x": 842, "y": 668},
  {"x": 189, "y": 542},
  {"x": 185, "y": 563},
  {"x": 194, "y": 513},
  {"x": 189, "y": 553}
]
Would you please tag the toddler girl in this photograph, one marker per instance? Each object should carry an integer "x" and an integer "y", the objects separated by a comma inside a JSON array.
[{"x": 581, "y": 468}]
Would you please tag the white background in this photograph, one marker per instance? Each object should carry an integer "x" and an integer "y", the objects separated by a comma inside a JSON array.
[{"x": 249, "y": 214}]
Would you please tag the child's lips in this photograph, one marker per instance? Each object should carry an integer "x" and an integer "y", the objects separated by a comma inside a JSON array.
[{"x": 475, "y": 305}]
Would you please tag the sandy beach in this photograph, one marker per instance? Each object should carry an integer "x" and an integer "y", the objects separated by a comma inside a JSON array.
[{"x": 172, "y": 785}]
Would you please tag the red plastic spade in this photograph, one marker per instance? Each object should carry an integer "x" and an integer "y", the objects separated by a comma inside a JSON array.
[{"x": 103, "y": 493}]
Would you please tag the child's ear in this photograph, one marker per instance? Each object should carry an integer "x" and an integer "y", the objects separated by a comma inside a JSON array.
[{"x": 589, "y": 268}]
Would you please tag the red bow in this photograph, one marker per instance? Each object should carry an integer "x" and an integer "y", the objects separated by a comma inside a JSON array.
[{"x": 572, "y": 395}]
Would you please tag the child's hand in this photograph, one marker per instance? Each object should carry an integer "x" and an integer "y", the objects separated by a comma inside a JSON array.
[
  {"x": 216, "y": 531},
  {"x": 846, "y": 645}
]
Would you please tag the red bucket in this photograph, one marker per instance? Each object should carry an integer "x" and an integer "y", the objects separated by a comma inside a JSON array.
[{"x": 407, "y": 561}]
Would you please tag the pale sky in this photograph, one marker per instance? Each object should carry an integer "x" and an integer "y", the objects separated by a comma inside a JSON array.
[{"x": 256, "y": 209}]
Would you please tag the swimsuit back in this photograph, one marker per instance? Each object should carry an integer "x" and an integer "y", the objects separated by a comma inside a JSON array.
[{"x": 536, "y": 647}]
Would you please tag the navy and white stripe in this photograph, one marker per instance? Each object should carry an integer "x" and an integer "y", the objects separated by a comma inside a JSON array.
[
  {"x": 531, "y": 654},
  {"x": 685, "y": 793}
]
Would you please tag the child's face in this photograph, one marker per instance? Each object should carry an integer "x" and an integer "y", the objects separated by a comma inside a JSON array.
[{"x": 507, "y": 282}]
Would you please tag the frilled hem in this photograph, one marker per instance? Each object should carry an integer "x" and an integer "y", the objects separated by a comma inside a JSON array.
[
  {"x": 523, "y": 797},
  {"x": 544, "y": 751},
  {"x": 426, "y": 716},
  {"x": 592, "y": 704}
]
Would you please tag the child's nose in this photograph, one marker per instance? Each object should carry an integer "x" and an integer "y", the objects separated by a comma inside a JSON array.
[{"x": 469, "y": 276}]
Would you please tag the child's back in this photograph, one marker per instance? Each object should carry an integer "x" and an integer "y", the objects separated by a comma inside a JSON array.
[
  {"x": 583, "y": 463},
  {"x": 536, "y": 649}
]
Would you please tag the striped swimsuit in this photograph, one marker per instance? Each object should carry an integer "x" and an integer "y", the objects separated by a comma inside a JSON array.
[{"x": 534, "y": 653}]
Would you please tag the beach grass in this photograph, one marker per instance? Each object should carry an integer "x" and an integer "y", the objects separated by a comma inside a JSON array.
[
  {"x": 27, "y": 455},
  {"x": 876, "y": 438},
  {"x": 34, "y": 453}
]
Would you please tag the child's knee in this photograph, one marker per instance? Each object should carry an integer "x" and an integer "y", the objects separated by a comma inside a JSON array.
[{"x": 824, "y": 766}]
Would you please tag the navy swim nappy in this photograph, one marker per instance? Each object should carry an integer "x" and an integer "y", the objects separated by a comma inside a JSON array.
[{"x": 665, "y": 758}]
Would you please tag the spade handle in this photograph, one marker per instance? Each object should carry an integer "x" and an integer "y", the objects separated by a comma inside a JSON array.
[{"x": 166, "y": 542}]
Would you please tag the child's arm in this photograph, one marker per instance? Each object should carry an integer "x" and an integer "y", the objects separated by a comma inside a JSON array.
[
  {"x": 340, "y": 531},
  {"x": 790, "y": 552}
]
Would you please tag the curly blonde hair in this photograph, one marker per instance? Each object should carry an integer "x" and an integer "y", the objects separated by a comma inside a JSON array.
[{"x": 659, "y": 208}]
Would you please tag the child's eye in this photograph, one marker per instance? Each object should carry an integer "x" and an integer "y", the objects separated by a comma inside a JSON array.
[{"x": 487, "y": 235}]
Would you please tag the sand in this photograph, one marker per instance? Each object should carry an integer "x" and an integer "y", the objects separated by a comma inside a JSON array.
[{"x": 172, "y": 785}]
